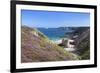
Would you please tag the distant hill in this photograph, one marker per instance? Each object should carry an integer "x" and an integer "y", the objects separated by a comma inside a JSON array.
[{"x": 35, "y": 47}]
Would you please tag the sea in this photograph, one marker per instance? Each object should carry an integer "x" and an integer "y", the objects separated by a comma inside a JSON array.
[{"x": 56, "y": 34}]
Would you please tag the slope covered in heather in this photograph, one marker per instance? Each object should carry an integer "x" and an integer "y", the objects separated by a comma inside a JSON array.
[{"x": 36, "y": 47}]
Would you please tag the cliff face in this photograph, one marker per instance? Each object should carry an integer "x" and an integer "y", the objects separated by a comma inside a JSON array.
[
  {"x": 83, "y": 43},
  {"x": 35, "y": 47}
]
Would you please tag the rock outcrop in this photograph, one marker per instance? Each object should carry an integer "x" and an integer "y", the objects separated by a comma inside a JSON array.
[{"x": 83, "y": 42}]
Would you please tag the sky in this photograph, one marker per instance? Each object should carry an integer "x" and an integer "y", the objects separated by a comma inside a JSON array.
[{"x": 50, "y": 19}]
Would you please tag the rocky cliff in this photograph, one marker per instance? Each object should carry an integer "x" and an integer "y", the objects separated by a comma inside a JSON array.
[{"x": 83, "y": 42}]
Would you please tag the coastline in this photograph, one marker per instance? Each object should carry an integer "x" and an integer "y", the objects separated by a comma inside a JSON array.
[
  {"x": 56, "y": 41},
  {"x": 66, "y": 48}
]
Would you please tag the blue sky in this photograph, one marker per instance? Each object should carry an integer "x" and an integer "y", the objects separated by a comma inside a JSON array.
[{"x": 48, "y": 19}]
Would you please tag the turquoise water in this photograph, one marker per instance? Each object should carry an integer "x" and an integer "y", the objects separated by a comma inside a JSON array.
[{"x": 54, "y": 33}]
